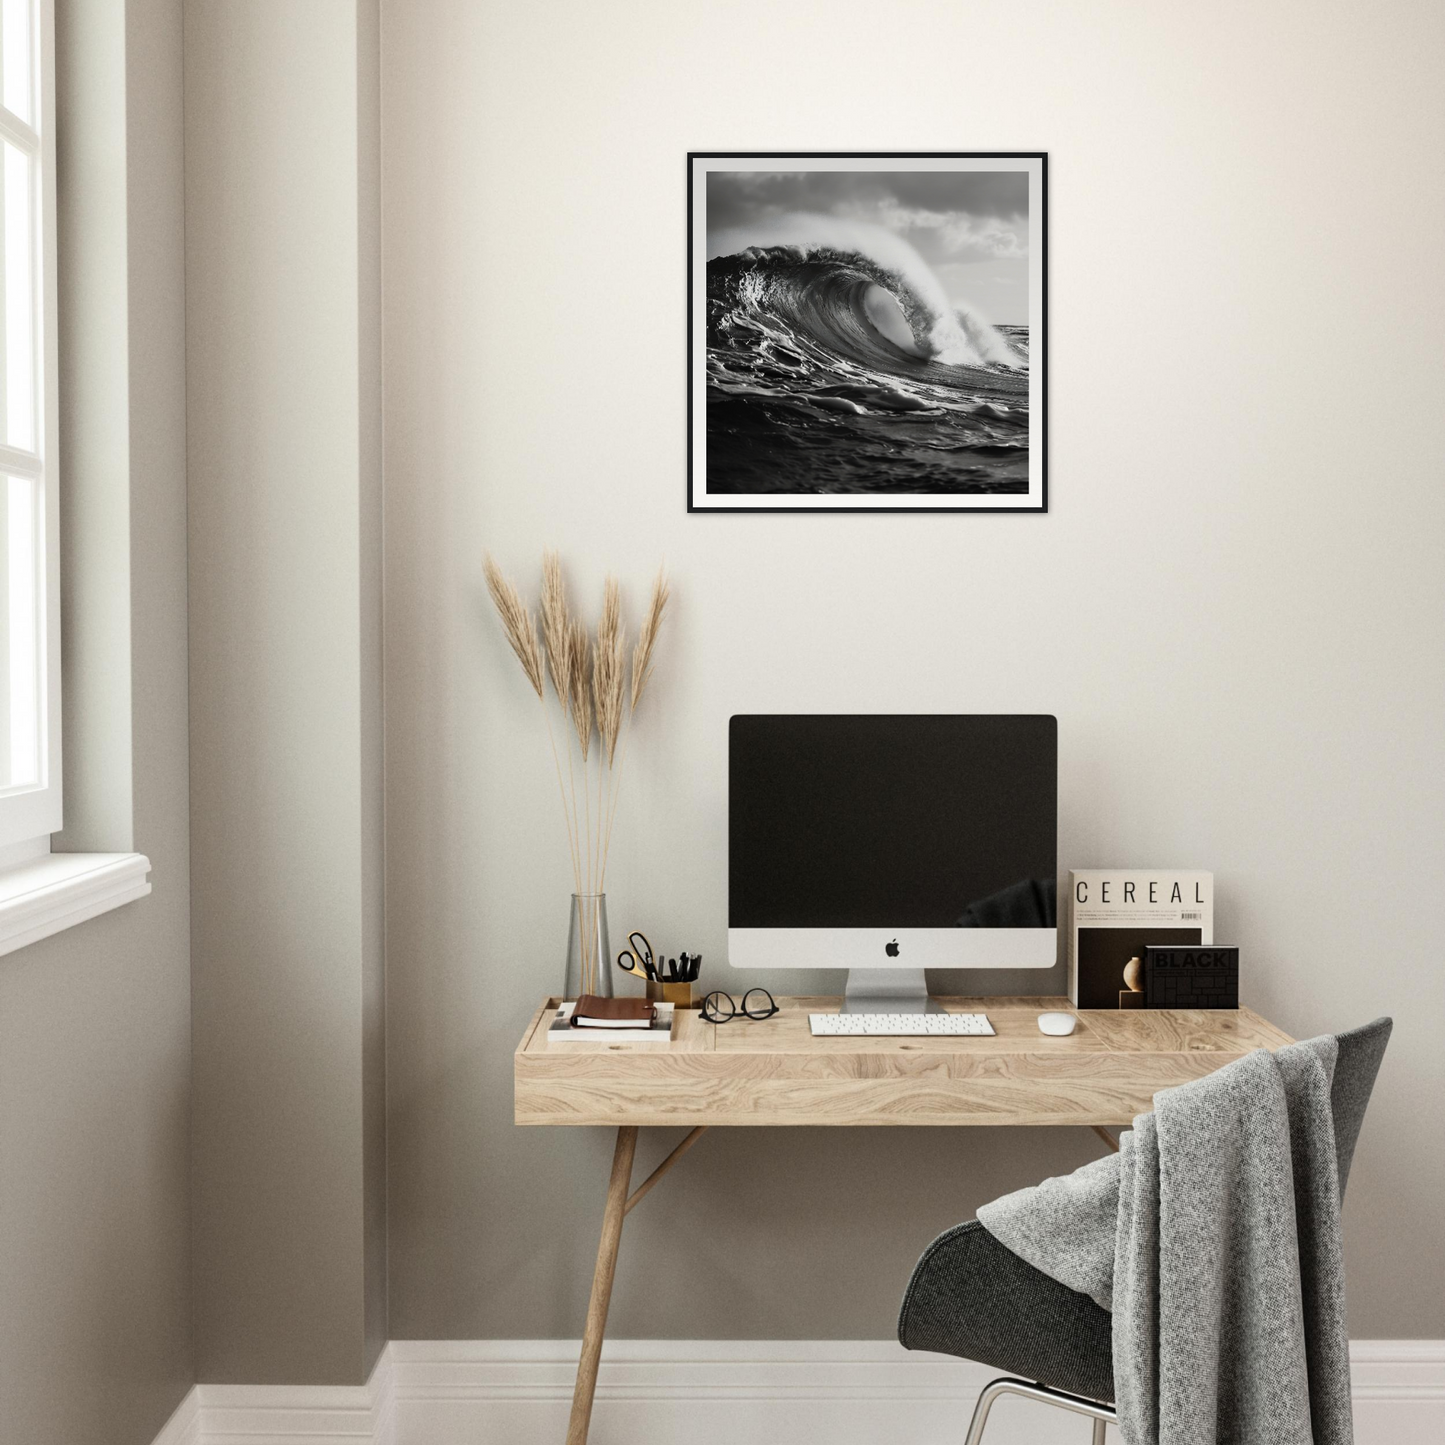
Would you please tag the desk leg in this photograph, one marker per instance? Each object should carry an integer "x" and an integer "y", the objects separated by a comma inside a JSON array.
[{"x": 612, "y": 1216}]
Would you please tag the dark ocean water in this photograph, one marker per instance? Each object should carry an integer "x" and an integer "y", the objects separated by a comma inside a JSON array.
[{"x": 828, "y": 373}]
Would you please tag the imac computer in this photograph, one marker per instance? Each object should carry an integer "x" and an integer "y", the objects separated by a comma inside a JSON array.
[{"x": 890, "y": 844}]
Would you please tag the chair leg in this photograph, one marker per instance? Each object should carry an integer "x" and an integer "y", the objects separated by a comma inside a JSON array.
[
  {"x": 1100, "y": 1414},
  {"x": 980, "y": 1411}
]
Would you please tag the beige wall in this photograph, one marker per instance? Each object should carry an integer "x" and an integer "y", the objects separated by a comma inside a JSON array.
[
  {"x": 95, "y": 1344},
  {"x": 1234, "y": 606},
  {"x": 282, "y": 320}
]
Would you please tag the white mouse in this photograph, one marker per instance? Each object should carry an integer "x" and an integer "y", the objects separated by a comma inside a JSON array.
[{"x": 1058, "y": 1024}]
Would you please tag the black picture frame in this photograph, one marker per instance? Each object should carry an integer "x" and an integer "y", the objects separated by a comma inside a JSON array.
[{"x": 868, "y": 504}]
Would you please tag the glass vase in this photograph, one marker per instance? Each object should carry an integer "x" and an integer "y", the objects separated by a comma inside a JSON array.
[{"x": 589, "y": 951}]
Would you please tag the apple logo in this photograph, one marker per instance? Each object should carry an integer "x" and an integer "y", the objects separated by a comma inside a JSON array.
[{"x": 891, "y": 949}]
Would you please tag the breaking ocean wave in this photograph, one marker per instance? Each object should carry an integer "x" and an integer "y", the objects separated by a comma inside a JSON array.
[{"x": 830, "y": 371}]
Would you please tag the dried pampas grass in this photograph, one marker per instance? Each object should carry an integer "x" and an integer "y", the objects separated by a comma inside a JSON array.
[
  {"x": 579, "y": 685},
  {"x": 609, "y": 669},
  {"x": 589, "y": 681},
  {"x": 516, "y": 623},
  {"x": 555, "y": 633},
  {"x": 647, "y": 636}
]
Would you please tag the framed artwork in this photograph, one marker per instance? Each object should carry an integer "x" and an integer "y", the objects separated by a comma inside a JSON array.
[{"x": 867, "y": 332}]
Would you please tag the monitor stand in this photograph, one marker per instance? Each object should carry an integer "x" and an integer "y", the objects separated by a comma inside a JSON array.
[{"x": 887, "y": 991}]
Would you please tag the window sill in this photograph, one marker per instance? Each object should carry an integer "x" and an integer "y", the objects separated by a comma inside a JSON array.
[{"x": 60, "y": 890}]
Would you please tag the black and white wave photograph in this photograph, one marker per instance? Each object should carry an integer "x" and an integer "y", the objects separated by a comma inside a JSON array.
[{"x": 866, "y": 332}]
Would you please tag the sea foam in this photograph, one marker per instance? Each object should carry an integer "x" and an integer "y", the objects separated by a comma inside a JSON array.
[{"x": 959, "y": 336}]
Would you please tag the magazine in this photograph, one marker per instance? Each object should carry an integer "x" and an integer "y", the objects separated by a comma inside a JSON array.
[{"x": 1115, "y": 912}]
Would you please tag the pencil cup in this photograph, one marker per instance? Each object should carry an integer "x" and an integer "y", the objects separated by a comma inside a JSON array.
[{"x": 673, "y": 993}]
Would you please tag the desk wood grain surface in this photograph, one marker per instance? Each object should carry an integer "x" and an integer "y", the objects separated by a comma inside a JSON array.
[{"x": 773, "y": 1072}]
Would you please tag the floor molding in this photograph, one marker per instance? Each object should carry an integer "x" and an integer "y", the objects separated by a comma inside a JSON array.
[
  {"x": 184, "y": 1427},
  {"x": 712, "y": 1392}
]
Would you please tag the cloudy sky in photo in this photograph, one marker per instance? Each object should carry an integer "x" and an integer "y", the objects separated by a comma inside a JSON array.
[{"x": 971, "y": 227}]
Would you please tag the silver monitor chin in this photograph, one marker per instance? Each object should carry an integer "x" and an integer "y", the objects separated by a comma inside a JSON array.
[{"x": 885, "y": 970}]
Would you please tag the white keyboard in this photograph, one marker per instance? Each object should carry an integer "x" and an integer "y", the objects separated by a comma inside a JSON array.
[{"x": 912, "y": 1026}]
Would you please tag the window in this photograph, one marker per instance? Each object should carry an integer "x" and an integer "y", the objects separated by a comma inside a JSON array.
[
  {"x": 41, "y": 892},
  {"x": 30, "y": 797}
]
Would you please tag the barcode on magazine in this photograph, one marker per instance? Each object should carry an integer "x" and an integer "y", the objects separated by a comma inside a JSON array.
[{"x": 1195, "y": 916}]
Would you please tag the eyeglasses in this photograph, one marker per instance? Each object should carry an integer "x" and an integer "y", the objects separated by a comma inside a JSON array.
[{"x": 719, "y": 1008}]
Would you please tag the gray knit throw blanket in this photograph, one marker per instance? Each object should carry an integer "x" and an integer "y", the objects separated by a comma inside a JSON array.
[{"x": 1214, "y": 1237}]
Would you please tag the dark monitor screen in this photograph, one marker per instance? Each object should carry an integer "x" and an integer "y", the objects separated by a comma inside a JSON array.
[{"x": 892, "y": 821}]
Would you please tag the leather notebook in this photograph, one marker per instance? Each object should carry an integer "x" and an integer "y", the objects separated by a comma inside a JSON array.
[{"x": 593, "y": 1012}]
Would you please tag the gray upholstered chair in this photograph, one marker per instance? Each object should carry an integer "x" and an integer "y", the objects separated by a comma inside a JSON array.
[{"x": 972, "y": 1297}]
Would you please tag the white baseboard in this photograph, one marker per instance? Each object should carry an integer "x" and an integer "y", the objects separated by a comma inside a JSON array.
[
  {"x": 288, "y": 1414},
  {"x": 714, "y": 1392},
  {"x": 184, "y": 1427}
]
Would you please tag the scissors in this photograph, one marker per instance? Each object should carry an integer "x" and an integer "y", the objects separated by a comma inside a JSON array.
[{"x": 637, "y": 958}]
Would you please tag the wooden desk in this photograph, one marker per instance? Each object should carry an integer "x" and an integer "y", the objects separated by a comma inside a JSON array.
[{"x": 773, "y": 1072}]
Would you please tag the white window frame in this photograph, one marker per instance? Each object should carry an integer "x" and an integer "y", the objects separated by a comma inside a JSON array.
[
  {"x": 29, "y": 815},
  {"x": 42, "y": 892}
]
